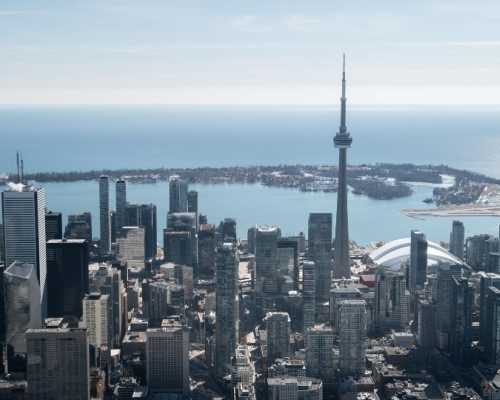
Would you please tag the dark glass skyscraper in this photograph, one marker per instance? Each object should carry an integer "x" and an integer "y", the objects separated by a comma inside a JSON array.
[
  {"x": 418, "y": 261},
  {"x": 320, "y": 248},
  {"x": 67, "y": 276},
  {"x": 105, "y": 218},
  {"x": 178, "y": 194},
  {"x": 342, "y": 141},
  {"x": 121, "y": 203},
  {"x": 53, "y": 225}
]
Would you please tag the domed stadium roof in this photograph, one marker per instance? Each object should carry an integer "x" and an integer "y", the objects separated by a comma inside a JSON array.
[{"x": 397, "y": 252}]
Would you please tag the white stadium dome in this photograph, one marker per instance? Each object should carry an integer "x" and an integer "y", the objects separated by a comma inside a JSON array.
[{"x": 397, "y": 252}]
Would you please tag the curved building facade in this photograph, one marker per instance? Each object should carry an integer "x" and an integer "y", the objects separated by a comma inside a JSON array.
[{"x": 397, "y": 252}]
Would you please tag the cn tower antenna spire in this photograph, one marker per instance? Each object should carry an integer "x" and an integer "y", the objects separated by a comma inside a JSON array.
[{"x": 342, "y": 141}]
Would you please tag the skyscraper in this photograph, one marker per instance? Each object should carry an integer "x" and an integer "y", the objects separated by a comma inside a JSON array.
[
  {"x": 22, "y": 311},
  {"x": 178, "y": 194},
  {"x": 96, "y": 319},
  {"x": 309, "y": 293},
  {"x": 352, "y": 336},
  {"x": 461, "y": 320},
  {"x": 457, "y": 239},
  {"x": 67, "y": 276},
  {"x": 491, "y": 342},
  {"x": 278, "y": 335},
  {"x": 320, "y": 248},
  {"x": 266, "y": 266},
  {"x": 23, "y": 210},
  {"x": 206, "y": 251},
  {"x": 121, "y": 203},
  {"x": 227, "y": 307},
  {"x": 319, "y": 341},
  {"x": 392, "y": 300},
  {"x": 342, "y": 141},
  {"x": 131, "y": 246},
  {"x": 53, "y": 225},
  {"x": 487, "y": 280},
  {"x": 167, "y": 358},
  {"x": 79, "y": 227},
  {"x": 58, "y": 362},
  {"x": 105, "y": 217},
  {"x": 445, "y": 300},
  {"x": 148, "y": 222},
  {"x": 418, "y": 261},
  {"x": 192, "y": 199}
]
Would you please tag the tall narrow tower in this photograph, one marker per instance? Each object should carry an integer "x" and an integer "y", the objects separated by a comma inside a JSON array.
[{"x": 342, "y": 141}]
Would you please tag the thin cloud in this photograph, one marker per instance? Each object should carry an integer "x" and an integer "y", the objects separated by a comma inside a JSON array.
[
  {"x": 302, "y": 23},
  {"x": 249, "y": 24}
]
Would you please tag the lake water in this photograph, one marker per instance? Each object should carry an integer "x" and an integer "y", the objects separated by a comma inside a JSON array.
[{"x": 84, "y": 138}]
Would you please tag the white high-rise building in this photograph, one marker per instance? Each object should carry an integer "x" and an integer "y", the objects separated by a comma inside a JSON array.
[
  {"x": 96, "y": 319},
  {"x": 167, "y": 358},
  {"x": 309, "y": 293},
  {"x": 104, "y": 215},
  {"x": 352, "y": 337},
  {"x": 58, "y": 362},
  {"x": 23, "y": 210}
]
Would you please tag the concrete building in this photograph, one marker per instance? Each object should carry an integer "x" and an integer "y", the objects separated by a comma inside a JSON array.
[
  {"x": 96, "y": 319},
  {"x": 167, "y": 358},
  {"x": 131, "y": 246},
  {"x": 342, "y": 141},
  {"x": 23, "y": 210},
  {"x": 392, "y": 300},
  {"x": 445, "y": 276},
  {"x": 337, "y": 294},
  {"x": 266, "y": 266},
  {"x": 278, "y": 335},
  {"x": 293, "y": 388},
  {"x": 309, "y": 294},
  {"x": 227, "y": 307},
  {"x": 457, "y": 239},
  {"x": 426, "y": 333},
  {"x": 104, "y": 215},
  {"x": 319, "y": 342},
  {"x": 67, "y": 276},
  {"x": 156, "y": 301},
  {"x": 107, "y": 280},
  {"x": 352, "y": 337},
  {"x": 58, "y": 362}
]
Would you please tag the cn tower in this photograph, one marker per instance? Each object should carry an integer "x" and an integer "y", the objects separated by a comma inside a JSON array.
[{"x": 342, "y": 141}]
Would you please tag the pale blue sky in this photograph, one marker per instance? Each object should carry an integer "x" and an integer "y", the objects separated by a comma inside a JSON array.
[{"x": 249, "y": 52}]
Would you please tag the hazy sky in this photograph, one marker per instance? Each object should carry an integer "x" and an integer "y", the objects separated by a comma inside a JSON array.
[{"x": 249, "y": 52}]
